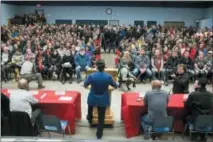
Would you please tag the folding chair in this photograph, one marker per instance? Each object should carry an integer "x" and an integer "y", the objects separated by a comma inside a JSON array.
[
  {"x": 50, "y": 123},
  {"x": 163, "y": 125},
  {"x": 203, "y": 125}
]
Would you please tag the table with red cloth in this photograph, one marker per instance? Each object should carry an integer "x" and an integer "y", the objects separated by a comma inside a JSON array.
[
  {"x": 69, "y": 110},
  {"x": 131, "y": 111}
]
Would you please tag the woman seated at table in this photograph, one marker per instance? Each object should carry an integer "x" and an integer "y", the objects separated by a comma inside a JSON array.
[{"x": 156, "y": 101}]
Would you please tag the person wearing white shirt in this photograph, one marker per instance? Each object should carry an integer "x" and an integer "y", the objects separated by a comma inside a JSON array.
[
  {"x": 21, "y": 100},
  {"x": 28, "y": 73}
]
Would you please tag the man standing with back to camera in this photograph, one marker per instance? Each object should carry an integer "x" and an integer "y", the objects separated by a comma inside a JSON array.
[{"x": 99, "y": 95}]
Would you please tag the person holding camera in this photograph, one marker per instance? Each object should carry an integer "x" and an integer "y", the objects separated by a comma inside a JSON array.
[{"x": 181, "y": 80}]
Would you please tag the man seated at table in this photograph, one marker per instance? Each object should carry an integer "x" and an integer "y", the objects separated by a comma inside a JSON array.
[
  {"x": 199, "y": 102},
  {"x": 156, "y": 101},
  {"x": 181, "y": 80},
  {"x": 21, "y": 100}
]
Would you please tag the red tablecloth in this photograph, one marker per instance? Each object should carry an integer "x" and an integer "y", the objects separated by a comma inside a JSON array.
[
  {"x": 131, "y": 111},
  {"x": 64, "y": 109}
]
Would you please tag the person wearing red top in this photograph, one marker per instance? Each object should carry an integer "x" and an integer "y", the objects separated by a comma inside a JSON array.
[
  {"x": 157, "y": 65},
  {"x": 193, "y": 52}
]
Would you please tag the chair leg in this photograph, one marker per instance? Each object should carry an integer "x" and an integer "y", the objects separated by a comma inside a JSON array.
[
  {"x": 69, "y": 130},
  {"x": 173, "y": 135},
  {"x": 49, "y": 134},
  {"x": 184, "y": 131}
]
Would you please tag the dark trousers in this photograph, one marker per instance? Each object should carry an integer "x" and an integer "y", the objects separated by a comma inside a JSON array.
[
  {"x": 65, "y": 71},
  {"x": 101, "y": 117}
]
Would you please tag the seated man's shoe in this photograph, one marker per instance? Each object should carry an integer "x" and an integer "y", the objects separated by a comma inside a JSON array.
[
  {"x": 70, "y": 82},
  {"x": 79, "y": 80},
  {"x": 41, "y": 86},
  {"x": 63, "y": 81},
  {"x": 143, "y": 81}
]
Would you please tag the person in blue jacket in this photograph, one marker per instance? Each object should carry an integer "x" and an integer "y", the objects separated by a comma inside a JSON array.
[
  {"x": 99, "y": 94},
  {"x": 82, "y": 62}
]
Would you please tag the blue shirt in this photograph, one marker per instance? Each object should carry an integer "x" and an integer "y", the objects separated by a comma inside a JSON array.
[{"x": 99, "y": 94}]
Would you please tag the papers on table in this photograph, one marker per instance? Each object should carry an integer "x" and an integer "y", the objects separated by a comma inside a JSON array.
[
  {"x": 185, "y": 96},
  {"x": 34, "y": 92},
  {"x": 11, "y": 91},
  {"x": 65, "y": 98},
  {"x": 59, "y": 93},
  {"x": 42, "y": 96},
  {"x": 141, "y": 95}
]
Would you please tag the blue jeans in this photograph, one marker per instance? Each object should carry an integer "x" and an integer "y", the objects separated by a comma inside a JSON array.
[
  {"x": 78, "y": 71},
  {"x": 146, "y": 124},
  {"x": 136, "y": 72}
]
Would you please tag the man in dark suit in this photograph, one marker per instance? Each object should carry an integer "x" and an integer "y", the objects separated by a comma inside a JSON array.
[
  {"x": 199, "y": 102},
  {"x": 99, "y": 94}
]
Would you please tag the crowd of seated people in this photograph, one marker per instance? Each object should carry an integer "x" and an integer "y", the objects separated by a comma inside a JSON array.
[
  {"x": 151, "y": 53},
  {"x": 157, "y": 52},
  {"x": 56, "y": 51}
]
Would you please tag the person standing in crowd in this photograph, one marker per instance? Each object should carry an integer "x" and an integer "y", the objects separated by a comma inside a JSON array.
[
  {"x": 99, "y": 95},
  {"x": 181, "y": 80},
  {"x": 82, "y": 62},
  {"x": 158, "y": 66},
  {"x": 156, "y": 101},
  {"x": 21, "y": 100},
  {"x": 28, "y": 72},
  {"x": 199, "y": 102},
  {"x": 142, "y": 63}
]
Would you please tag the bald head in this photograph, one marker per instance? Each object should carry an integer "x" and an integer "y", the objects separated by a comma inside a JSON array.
[
  {"x": 22, "y": 84},
  {"x": 156, "y": 84}
]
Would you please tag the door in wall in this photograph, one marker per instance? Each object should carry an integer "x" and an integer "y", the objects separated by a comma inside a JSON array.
[
  {"x": 151, "y": 23},
  {"x": 114, "y": 22},
  {"x": 174, "y": 23},
  {"x": 141, "y": 23}
]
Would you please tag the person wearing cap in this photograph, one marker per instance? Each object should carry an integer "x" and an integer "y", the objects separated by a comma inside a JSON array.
[
  {"x": 199, "y": 102},
  {"x": 82, "y": 62},
  {"x": 99, "y": 94}
]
